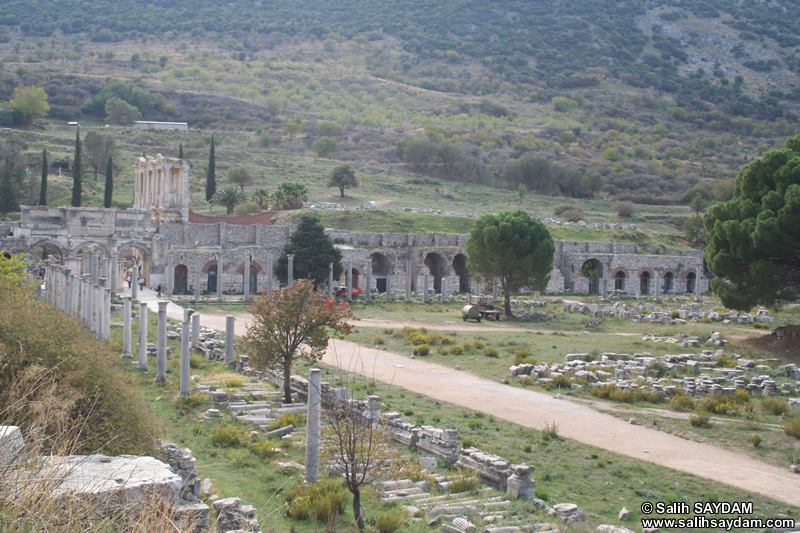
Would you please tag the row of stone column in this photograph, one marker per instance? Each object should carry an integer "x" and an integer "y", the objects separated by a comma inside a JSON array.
[{"x": 80, "y": 296}]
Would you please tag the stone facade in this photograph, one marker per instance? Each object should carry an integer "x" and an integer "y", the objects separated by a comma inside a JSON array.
[{"x": 196, "y": 257}]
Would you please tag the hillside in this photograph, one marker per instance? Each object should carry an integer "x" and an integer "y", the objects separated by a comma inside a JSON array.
[{"x": 630, "y": 101}]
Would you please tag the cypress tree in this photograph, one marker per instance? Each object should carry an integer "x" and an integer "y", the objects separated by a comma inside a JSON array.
[
  {"x": 109, "y": 183},
  {"x": 43, "y": 187},
  {"x": 76, "y": 172},
  {"x": 180, "y": 151},
  {"x": 211, "y": 177}
]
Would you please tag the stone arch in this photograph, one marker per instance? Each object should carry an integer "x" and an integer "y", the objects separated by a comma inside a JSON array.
[
  {"x": 255, "y": 270},
  {"x": 80, "y": 247},
  {"x": 669, "y": 282},
  {"x": 645, "y": 279},
  {"x": 180, "y": 279},
  {"x": 126, "y": 258},
  {"x": 437, "y": 264},
  {"x": 592, "y": 269},
  {"x": 620, "y": 276},
  {"x": 137, "y": 246},
  {"x": 46, "y": 245},
  {"x": 691, "y": 282},
  {"x": 381, "y": 267},
  {"x": 211, "y": 270},
  {"x": 463, "y": 273}
]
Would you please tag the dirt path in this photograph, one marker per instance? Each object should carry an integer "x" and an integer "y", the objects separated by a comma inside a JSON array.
[{"x": 533, "y": 409}]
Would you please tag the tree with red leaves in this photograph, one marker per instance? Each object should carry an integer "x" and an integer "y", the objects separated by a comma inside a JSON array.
[{"x": 292, "y": 324}]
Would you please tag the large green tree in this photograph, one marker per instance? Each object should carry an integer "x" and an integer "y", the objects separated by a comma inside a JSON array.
[
  {"x": 240, "y": 176},
  {"x": 211, "y": 175},
  {"x": 313, "y": 252},
  {"x": 754, "y": 238},
  {"x": 342, "y": 176},
  {"x": 230, "y": 198},
  {"x": 512, "y": 247},
  {"x": 97, "y": 148},
  {"x": 76, "y": 172},
  {"x": 29, "y": 103}
]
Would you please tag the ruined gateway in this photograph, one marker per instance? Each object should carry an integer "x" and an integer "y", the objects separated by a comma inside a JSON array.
[{"x": 188, "y": 253}]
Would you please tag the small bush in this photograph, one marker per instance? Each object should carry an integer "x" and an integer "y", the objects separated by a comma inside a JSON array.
[
  {"x": 681, "y": 403},
  {"x": 417, "y": 338},
  {"x": 701, "y": 420},
  {"x": 463, "y": 481},
  {"x": 232, "y": 382},
  {"x": 526, "y": 380},
  {"x": 550, "y": 431},
  {"x": 264, "y": 448},
  {"x": 569, "y": 212},
  {"x": 247, "y": 208},
  {"x": 187, "y": 404},
  {"x": 774, "y": 406},
  {"x": 467, "y": 443},
  {"x": 457, "y": 349},
  {"x": 542, "y": 495},
  {"x": 527, "y": 448},
  {"x": 420, "y": 420},
  {"x": 755, "y": 440},
  {"x": 466, "y": 346},
  {"x": 625, "y": 209},
  {"x": 792, "y": 428},
  {"x": 408, "y": 412},
  {"x": 288, "y": 419},
  {"x": 323, "y": 500},
  {"x": 559, "y": 382},
  {"x": 422, "y": 349},
  {"x": 228, "y": 435},
  {"x": 448, "y": 341},
  {"x": 239, "y": 458},
  {"x": 443, "y": 350},
  {"x": 475, "y": 424},
  {"x": 379, "y": 340},
  {"x": 392, "y": 520},
  {"x": 490, "y": 352},
  {"x": 479, "y": 344},
  {"x": 388, "y": 331}
]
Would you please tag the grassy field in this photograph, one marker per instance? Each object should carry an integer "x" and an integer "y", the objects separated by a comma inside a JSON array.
[{"x": 599, "y": 482}]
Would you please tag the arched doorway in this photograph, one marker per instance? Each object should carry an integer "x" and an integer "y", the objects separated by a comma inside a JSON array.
[
  {"x": 644, "y": 283},
  {"x": 43, "y": 250},
  {"x": 669, "y": 282},
  {"x": 130, "y": 253},
  {"x": 212, "y": 278},
  {"x": 691, "y": 280},
  {"x": 437, "y": 265},
  {"x": 253, "y": 280},
  {"x": 461, "y": 270},
  {"x": 381, "y": 267},
  {"x": 181, "y": 279},
  {"x": 593, "y": 271},
  {"x": 619, "y": 281}
]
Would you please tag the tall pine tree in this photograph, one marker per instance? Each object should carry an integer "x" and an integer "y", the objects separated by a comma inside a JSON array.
[
  {"x": 109, "y": 183},
  {"x": 180, "y": 151},
  {"x": 76, "y": 172},
  {"x": 211, "y": 177},
  {"x": 43, "y": 187}
]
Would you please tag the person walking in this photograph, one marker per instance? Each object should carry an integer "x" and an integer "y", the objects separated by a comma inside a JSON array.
[{"x": 158, "y": 291}]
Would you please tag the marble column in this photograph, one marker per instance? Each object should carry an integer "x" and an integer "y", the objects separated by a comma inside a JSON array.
[
  {"x": 135, "y": 282},
  {"x": 495, "y": 287},
  {"x": 246, "y": 280},
  {"x": 330, "y": 280},
  {"x": 185, "y": 363},
  {"x": 605, "y": 282},
  {"x": 697, "y": 290},
  {"x": 143, "y": 337},
  {"x": 229, "y": 321},
  {"x": 368, "y": 268},
  {"x": 170, "y": 275},
  {"x": 126, "y": 328},
  {"x": 408, "y": 281},
  {"x": 106, "y": 314},
  {"x": 313, "y": 436},
  {"x": 349, "y": 284},
  {"x": 290, "y": 275},
  {"x": 658, "y": 285},
  {"x": 195, "y": 330},
  {"x": 425, "y": 282},
  {"x": 161, "y": 355},
  {"x": 269, "y": 274},
  {"x": 113, "y": 275},
  {"x": 197, "y": 277},
  {"x": 444, "y": 290},
  {"x": 68, "y": 281},
  {"x": 220, "y": 268}
]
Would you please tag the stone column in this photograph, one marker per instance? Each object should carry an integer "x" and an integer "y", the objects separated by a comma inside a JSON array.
[
  {"x": 143, "y": 337},
  {"x": 105, "y": 271},
  {"x": 349, "y": 279},
  {"x": 195, "y": 330},
  {"x": 185, "y": 364},
  {"x": 520, "y": 484},
  {"x": 246, "y": 281},
  {"x": 269, "y": 277},
  {"x": 229, "y": 320},
  {"x": 68, "y": 282},
  {"x": 290, "y": 275},
  {"x": 196, "y": 277},
  {"x": 368, "y": 268},
  {"x": 126, "y": 328},
  {"x": 135, "y": 282},
  {"x": 170, "y": 275},
  {"x": 113, "y": 274},
  {"x": 161, "y": 355},
  {"x": 425, "y": 282},
  {"x": 494, "y": 289},
  {"x": 313, "y": 435},
  {"x": 220, "y": 267},
  {"x": 697, "y": 290},
  {"x": 408, "y": 281},
  {"x": 605, "y": 282},
  {"x": 444, "y": 290},
  {"x": 388, "y": 287},
  {"x": 97, "y": 310},
  {"x": 330, "y": 280},
  {"x": 658, "y": 285},
  {"x": 106, "y": 314}
]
